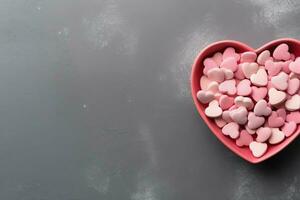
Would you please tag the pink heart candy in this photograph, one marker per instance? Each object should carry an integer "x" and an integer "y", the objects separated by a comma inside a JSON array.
[
  {"x": 280, "y": 81},
  {"x": 273, "y": 67},
  {"x": 292, "y": 58},
  {"x": 231, "y": 129},
  {"x": 254, "y": 121},
  {"x": 228, "y": 87},
  {"x": 281, "y": 113},
  {"x": 293, "y": 86},
  {"x": 218, "y": 58},
  {"x": 259, "y": 93},
  {"x": 205, "y": 96},
  {"x": 274, "y": 121},
  {"x": 216, "y": 74},
  {"x": 261, "y": 108},
  {"x": 249, "y": 69},
  {"x": 243, "y": 88},
  {"x": 293, "y": 116},
  {"x": 289, "y": 128},
  {"x": 226, "y": 102},
  {"x": 230, "y": 52},
  {"x": 239, "y": 74},
  {"x": 239, "y": 115},
  {"x": 285, "y": 67},
  {"x": 229, "y": 63},
  {"x": 295, "y": 66},
  {"x": 250, "y": 131},
  {"x": 226, "y": 116},
  {"x": 220, "y": 122},
  {"x": 209, "y": 64},
  {"x": 248, "y": 56},
  {"x": 204, "y": 82},
  {"x": 281, "y": 52},
  {"x": 263, "y": 134},
  {"x": 245, "y": 139}
]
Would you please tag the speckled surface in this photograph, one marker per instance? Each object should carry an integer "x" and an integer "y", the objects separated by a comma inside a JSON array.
[{"x": 95, "y": 101}]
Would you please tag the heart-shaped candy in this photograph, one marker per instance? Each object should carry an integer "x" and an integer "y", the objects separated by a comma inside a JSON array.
[
  {"x": 248, "y": 56},
  {"x": 228, "y": 87},
  {"x": 239, "y": 115},
  {"x": 260, "y": 78},
  {"x": 259, "y": 93},
  {"x": 205, "y": 96},
  {"x": 295, "y": 66},
  {"x": 244, "y": 101},
  {"x": 289, "y": 128},
  {"x": 276, "y": 97},
  {"x": 273, "y": 67},
  {"x": 218, "y": 58},
  {"x": 234, "y": 64},
  {"x": 230, "y": 52},
  {"x": 258, "y": 149},
  {"x": 229, "y": 63},
  {"x": 244, "y": 88},
  {"x": 293, "y": 86},
  {"x": 245, "y": 139},
  {"x": 280, "y": 81},
  {"x": 213, "y": 110},
  {"x": 281, "y": 52},
  {"x": 261, "y": 108},
  {"x": 293, "y": 117},
  {"x": 254, "y": 121},
  {"x": 263, "y": 134},
  {"x": 281, "y": 113},
  {"x": 263, "y": 57},
  {"x": 274, "y": 121},
  {"x": 249, "y": 69},
  {"x": 209, "y": 64},
  {"x": 220, "y": 122},
  {"x": 216, "y": 74},
  {"x": 231, "y": 129},
  {"x": 293, "y": 103},
  {"x": 226, "y": 102},
  {"x": 276, "y": 137}
]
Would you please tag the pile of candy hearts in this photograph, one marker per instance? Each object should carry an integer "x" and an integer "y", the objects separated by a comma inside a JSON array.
[{"x": 254, "y": 99}]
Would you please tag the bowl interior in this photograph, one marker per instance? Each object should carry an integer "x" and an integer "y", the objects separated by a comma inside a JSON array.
[{"x": 197, "y": 72}]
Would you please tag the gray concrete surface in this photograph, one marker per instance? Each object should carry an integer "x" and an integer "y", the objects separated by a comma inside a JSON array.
[{"x": 95, "y": 101}]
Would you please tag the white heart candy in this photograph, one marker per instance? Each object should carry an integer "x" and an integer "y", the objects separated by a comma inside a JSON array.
[
  {"x": 213, "y": 110},
  {"x": 260, "y": 78},
  {"x": 280, "y": 81},
  {"x": 277, "y": 136},
  {"x": 293, "y": 103},
  {"x": 249, "y": 69},
  {"x": 258, "y": 149},
  {"x": 276, "y": 97}
]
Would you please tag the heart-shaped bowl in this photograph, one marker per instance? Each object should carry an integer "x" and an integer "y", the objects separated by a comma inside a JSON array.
[{"x": 197, "y": 71}]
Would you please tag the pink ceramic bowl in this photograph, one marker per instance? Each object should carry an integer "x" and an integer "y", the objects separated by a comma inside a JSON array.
[{"x": 197, "y": 71}]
